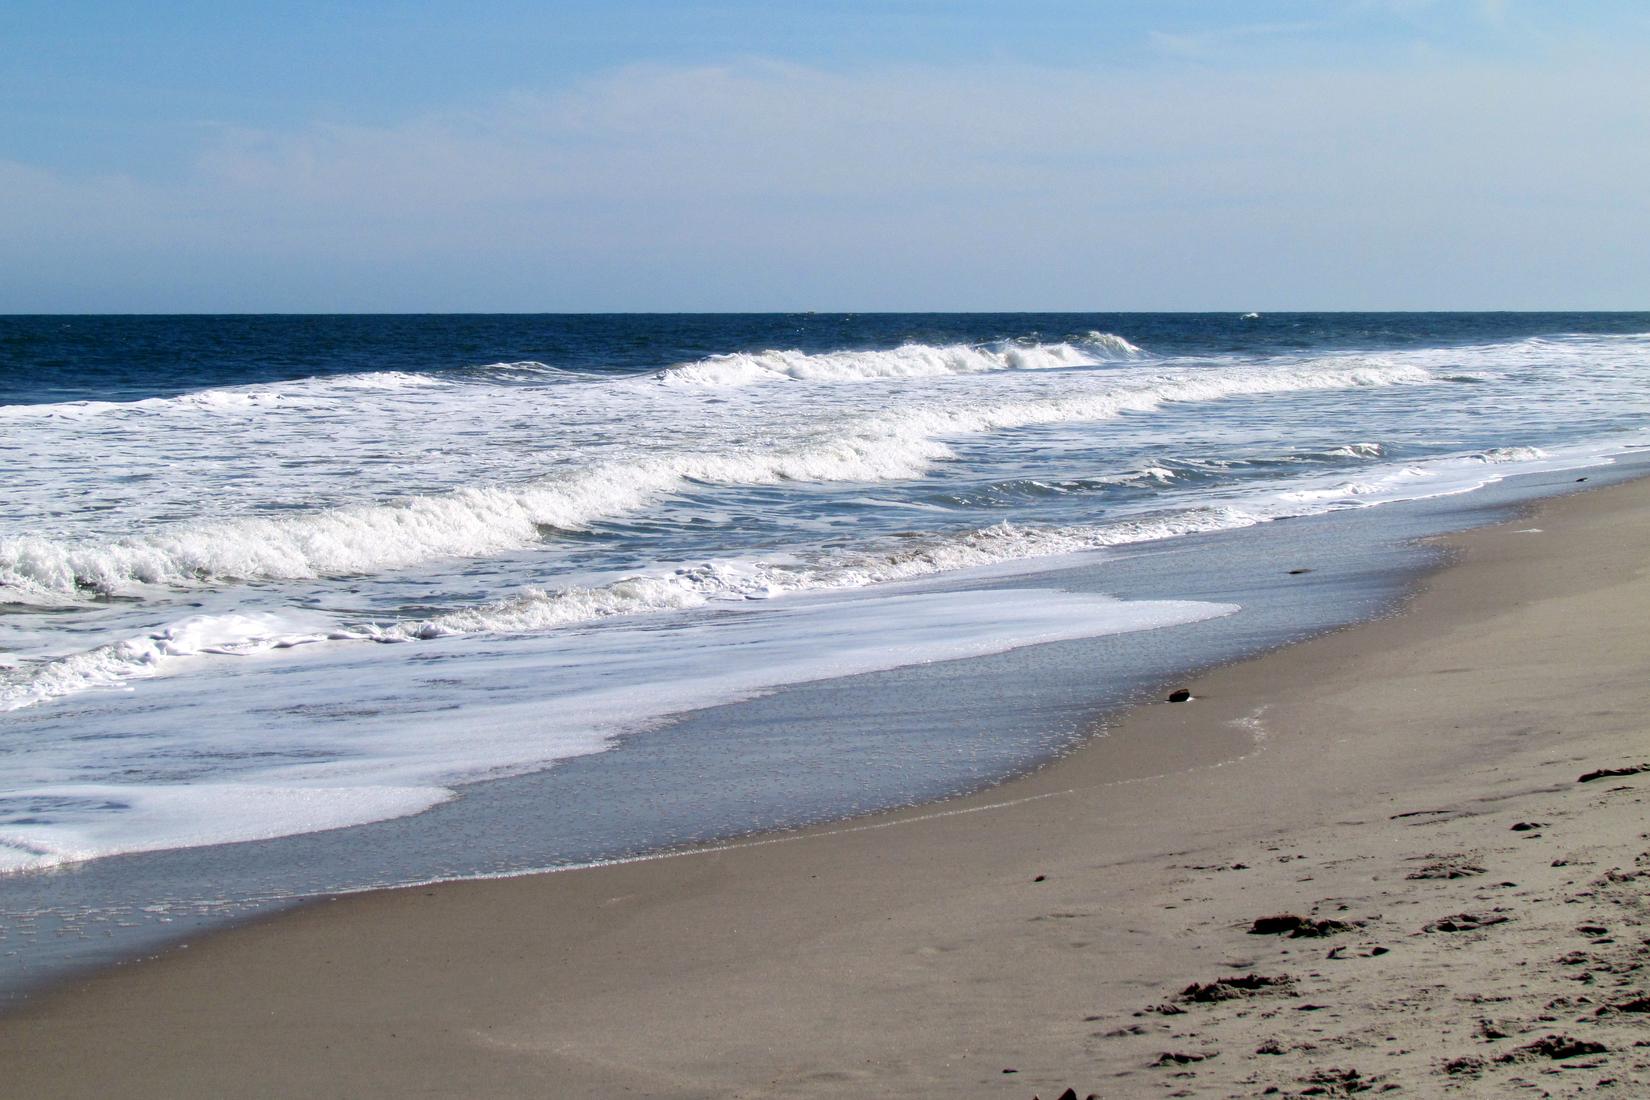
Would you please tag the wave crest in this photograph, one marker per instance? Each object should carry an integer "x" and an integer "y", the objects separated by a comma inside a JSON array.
[
  {"x": 117, "y": 664},
  {"x": 905, "y": 361},
  {"x": 234, "y": 399},
  {"x": 482, "y": 521}
]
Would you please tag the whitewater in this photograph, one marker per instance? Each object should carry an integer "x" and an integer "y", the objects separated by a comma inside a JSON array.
[{"x": 274, "y": 606}]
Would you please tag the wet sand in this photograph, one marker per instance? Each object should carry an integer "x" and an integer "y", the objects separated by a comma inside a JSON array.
[{"x": 1067, "y": 929}]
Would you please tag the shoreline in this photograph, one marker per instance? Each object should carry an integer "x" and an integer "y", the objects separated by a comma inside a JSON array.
[{"x": 916, "y": 951}]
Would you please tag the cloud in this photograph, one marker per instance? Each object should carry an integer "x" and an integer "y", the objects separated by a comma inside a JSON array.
[
  {"x": 768, "y": 185},
  {"x": 1216, "y": 41}
]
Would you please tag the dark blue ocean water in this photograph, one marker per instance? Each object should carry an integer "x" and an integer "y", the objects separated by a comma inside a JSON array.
[{"x": 123, "y": 358}]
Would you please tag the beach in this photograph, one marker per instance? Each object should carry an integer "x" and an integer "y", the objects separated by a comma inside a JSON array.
[{"x": 1414, "y": 780}]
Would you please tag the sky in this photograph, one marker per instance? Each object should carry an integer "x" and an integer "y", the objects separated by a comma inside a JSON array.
[{"x": 630, "y": 155}]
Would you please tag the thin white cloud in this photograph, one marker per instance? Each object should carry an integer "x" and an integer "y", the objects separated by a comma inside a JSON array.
[
  {"x": 1220, "y": 41},
  {"x": 768, "y": 185}
]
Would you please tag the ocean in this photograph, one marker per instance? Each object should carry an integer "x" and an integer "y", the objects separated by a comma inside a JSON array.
[{"x": 292, "y": 605}]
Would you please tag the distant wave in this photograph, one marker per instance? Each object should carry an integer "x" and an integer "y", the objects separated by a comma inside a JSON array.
[
  {"x": 527, "y": 370},
  {"x": 741, "y": 368},
  {"x": 906, "y": 361},
  {"x": 300, "y": 391},
  {"x": 746, "y": 368}
]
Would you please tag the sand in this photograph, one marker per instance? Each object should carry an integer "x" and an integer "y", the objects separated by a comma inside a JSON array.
[{"x": 1415, "y": 779}]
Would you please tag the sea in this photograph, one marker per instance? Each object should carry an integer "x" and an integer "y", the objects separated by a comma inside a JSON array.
[{"x": 292, "y": 606}]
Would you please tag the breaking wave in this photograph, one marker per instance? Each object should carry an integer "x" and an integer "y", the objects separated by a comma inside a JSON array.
[
  {"x": 301, "y": 392},
  {"x": 240, "y": 634},
  {"x": 482, "y": 521},
  {"x": 912, "y": 558},
  {"x": 906, "y": 361},
  {"x": 905, "y": 558}
]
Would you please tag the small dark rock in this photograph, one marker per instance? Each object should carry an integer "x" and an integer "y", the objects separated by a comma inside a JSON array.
[
  {"x": 1271, "y": 1046},
  {"x": 1297, "y": 928},
  {"x": 1469, "y": 1066},
  {"x": 1526, "y": 826},
  {"x": 1607, "y": 773},
  {"x": 1178, "y": 1058},
  {"x": 1336, "y": 1082},
  {"x": 1040, "y": 878},
  {"x": 1447, "y": 869},
  {"x": 1637, "y": 1004},
  {"x": 1298, "y": 572},
  {"x": 1463, "y": 922},
  {"x": 1241, "y": 985},
  {"x": 1591, "y": 929},
  {"x": 1180, "y": 695},
  {"x": 1275, "y": 926},
  {"x": 1556, "y": 1047}
]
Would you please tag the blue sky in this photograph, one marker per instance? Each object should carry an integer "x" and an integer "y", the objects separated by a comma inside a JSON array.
[{"x": 898, "y": 155}]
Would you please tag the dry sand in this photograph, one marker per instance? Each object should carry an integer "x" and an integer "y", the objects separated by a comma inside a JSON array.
[{"x": 1414, "y": 778}]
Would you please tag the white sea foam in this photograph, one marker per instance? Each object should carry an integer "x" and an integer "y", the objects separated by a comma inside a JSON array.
[
  {"x": 531, "y": 370},
  {"x": 153, "y": 817},
  {"x": 214, "y": 762},
  {"x": 1445, "y": 475},
  {"x": 1112, "y": 345},
  {"x": 920, "y": 555},
  {"x": 917, "y": 556},
  {"x": 482, "y": 521},
  {"x": 232, "y": 399},
  {"x": 1512, "y": 454},
  {"x": 118, "y": 663},
  {"x": 906, "y": 361},
  {"x": 912, "y": 557}
]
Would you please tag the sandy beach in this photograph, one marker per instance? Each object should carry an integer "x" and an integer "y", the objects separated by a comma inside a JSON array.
[{"x": 1465, "y": 914}]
